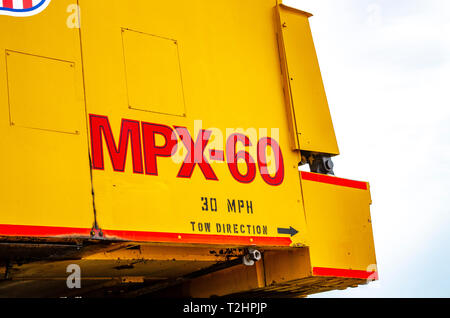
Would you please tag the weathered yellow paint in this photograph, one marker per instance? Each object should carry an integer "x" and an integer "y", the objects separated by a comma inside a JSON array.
[{"x": 160, "y": 253}]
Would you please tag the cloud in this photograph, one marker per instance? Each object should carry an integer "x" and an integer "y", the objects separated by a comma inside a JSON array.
[{"x": 386, "y": 70}]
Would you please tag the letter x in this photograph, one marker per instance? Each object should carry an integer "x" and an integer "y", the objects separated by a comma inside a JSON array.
[{"x": 195, "y": 154}]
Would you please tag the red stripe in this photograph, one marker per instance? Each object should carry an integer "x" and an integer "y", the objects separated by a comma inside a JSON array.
[
  {"x": 346, "y": 273},
  {"x": 197, "y": 238},
  {"x": 41, "y": 231},
  {"x": 8, "y": 4},
  {"x": 334, "y": 180},
  {"x": 48, "y": 231},
  {"x": 27, "y": 4}
]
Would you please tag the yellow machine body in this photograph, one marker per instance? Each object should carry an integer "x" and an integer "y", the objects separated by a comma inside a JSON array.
[{"x": 172, "y": 130}]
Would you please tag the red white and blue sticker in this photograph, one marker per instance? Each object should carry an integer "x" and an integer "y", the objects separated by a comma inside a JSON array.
[{"x": 22, "y": 8}]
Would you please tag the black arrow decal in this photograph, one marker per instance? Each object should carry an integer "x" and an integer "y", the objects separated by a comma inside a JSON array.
[{"x": 291, "y": 231}]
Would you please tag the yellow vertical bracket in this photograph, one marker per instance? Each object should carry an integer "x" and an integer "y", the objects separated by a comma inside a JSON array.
[{"x": 307, "y": 106}]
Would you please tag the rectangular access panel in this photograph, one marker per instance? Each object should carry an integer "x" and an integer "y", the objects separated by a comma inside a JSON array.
[
  {"x": 153, "y": 73},
  {"x": 42, "y": 93}
]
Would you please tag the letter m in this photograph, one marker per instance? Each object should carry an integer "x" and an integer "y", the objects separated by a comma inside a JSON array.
[
  {"x": 130, "y": 130},
  {"x": 231, "y": 206}
]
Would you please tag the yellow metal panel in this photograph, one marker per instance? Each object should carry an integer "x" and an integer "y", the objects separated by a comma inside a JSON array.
[
  {"x": 303, "y": 84},
  {"x": 231, "y": 79},
  {"x": 45, "y": 174},
  {"x": 42, "y": 90},
  {"x": 153, "y": 73},
  {"x": 284, "y": 266},
  {"x": 339, "y": 223}
]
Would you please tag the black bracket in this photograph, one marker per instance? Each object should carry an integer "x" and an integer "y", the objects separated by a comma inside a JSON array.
[{"x": 318, "y": 163}]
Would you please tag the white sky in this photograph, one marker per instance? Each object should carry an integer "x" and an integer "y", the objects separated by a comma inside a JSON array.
[{"x": 386, "y": 70}]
